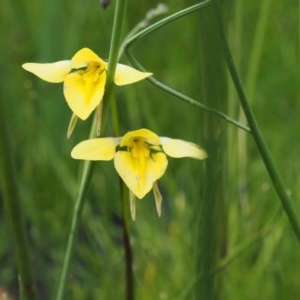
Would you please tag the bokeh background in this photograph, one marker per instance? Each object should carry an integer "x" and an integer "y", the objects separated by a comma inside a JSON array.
[{"x": 258, "y": 256}]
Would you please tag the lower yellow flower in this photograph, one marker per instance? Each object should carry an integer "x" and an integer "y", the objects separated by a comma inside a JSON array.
[
  {"x": 84, "y": 78},
  {"x": 140, "y": 158}
]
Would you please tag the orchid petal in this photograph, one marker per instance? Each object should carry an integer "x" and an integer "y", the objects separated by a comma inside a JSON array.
[
  {"x": 84, "y": 56},
  {"x": 82, "y": 95},
  {"x": 139, "y": 175},
  {"x": 144, "y": 133},
  {"x": 51, "y": 72},
  {"x": 96, "y": 149},
  {"x": 179, "y": 148},
  {"x": 127, "y": 75},
  {"x": 140, "y": 160}
]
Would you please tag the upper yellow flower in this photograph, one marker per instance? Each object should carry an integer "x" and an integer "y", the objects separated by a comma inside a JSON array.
[
  {"x": 140, "y": 157},
  {"x": 84, "y": 78}
]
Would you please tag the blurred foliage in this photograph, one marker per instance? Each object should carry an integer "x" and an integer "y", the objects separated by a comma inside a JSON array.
[{"x": 164, "y": 252}]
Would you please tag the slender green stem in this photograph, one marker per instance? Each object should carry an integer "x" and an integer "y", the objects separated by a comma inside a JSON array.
[
  {"x": 85, "y": 176},
  {"x": 116, "y": 39},
  {"x": 114, "y": 51},
  {"x": 113, "y": 58},
  {"x": 250, "y": 82},
  {"x": 134, "y": 38},
  {"x": 173, "y": 17},
  {"x": 13, "y": 210},
  {"x": 183, "y": 97},
  {"x": 86, "y": 172},
  {"x": 129, "y": 278},
  {"x": 152, "y": 13},
  {"x": 257, "y": 135},
  {"x": 114, "y": 116},
  {"x": 129, "y": 284},
  {"x": 87, "y": 166}
]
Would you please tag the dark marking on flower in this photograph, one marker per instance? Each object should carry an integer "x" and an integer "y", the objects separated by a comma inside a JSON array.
[
  {"x": 78, "y": 69},
  {"x": 123, "y": 148}
]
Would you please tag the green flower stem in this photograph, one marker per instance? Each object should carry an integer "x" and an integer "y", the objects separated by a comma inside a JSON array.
[
  {"x": 86, "y": 173},
  {"x": 250, "y": 82},
  {"x": 13, "y": 210},
  {"x": 114, "y": 116},
  {"x": 129, "y": 283},
  {"x": 87, "y": 165},
  {"x": 152, "y": 13},
  {"x": 85, "y": 176},
  {"x": 126, "y": 243},
  {"x": 163, "y": 22},
  {"x": 257, "y": 135},
  {"x": 113, "y": 59},
  {"x": 116, "y": 39},
  {"x": 134, "y": 38},
  {"x": 183, "y": 97}
]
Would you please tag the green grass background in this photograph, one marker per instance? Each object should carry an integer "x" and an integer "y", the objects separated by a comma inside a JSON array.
[{"x": 259, "y": 256}]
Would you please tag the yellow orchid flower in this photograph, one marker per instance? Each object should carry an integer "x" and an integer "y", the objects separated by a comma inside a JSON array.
[
  {"x": 84, "y": 78},
  {"x": 140, "y": 158}
]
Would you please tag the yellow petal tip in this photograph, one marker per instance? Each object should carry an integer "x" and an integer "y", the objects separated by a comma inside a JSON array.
[
  {"x": 179, "y": 148},
  {"x": 127, "y": 75},
  {"x": 51, "y": 72}
]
